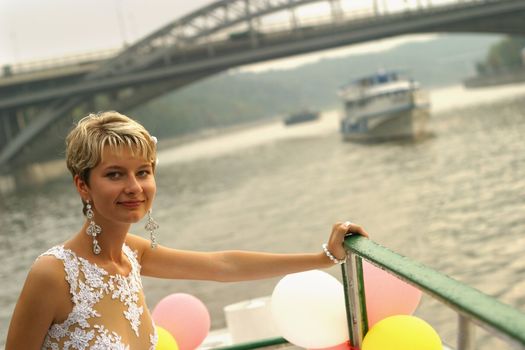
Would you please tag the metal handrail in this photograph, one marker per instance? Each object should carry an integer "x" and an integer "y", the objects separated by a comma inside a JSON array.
[
  {"x": 255, "y": 344},
  {"x": 473, "y": 307}
]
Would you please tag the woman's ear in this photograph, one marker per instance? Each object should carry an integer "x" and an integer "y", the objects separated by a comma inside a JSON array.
[{"x": 82, "y": 188}]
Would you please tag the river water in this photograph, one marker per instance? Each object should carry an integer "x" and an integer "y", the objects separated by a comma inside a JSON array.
[{"x": 454, "y": 202}]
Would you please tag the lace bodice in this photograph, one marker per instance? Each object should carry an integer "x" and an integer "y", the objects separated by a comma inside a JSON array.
[{"x": 97, "y": 297}]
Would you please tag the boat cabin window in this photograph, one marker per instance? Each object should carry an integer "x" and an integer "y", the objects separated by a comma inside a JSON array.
[{"x": 379, "y": 78}]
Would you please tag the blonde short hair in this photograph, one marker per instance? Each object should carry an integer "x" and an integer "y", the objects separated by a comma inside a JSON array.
[{"x": 86, "y": 141}]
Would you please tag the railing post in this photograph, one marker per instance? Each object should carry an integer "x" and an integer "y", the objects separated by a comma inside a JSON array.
[
  {"x": 355, "y": 299},
  {"x": 466, "y": 339}
]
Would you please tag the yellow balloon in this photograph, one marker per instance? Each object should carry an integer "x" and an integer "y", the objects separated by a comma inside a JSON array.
[
  {"x": 402, "y": 332},
  {"x": 166, "y": 340}
]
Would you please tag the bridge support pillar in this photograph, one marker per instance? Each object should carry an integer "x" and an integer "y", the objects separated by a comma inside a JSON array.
[
  {"x": 7, "y": 184},
  {"x": 8, "y": 127}
]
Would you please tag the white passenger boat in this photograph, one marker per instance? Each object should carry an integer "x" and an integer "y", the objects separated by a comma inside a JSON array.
[{"x": 384, "y": 106}]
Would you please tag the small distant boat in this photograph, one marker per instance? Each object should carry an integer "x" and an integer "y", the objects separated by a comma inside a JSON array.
[
  {"x": 301, "y": 117},
  {"x": 384, "y": 106}
]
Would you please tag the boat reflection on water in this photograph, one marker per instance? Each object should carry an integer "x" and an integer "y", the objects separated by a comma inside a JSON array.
[{"x": 384, "y": 106}]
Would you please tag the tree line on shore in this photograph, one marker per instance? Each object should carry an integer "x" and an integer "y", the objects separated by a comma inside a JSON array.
[{"x": 505, "y": 55}]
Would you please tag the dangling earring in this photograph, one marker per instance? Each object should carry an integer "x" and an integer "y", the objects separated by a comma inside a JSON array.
[
  {"x": 93, "y": 229},
  {"x": 151, "y": 226}
]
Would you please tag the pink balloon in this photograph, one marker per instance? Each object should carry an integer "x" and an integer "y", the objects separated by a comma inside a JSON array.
[
  {"x": 386, "y": 295},
  {"x": 342, "y": 346},
  {"x": 185, "y": 317}
]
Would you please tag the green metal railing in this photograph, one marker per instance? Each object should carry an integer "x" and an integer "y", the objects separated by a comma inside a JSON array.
[
  {"x": 263, "y": 343},
  {"x": 472, "y": 306}
]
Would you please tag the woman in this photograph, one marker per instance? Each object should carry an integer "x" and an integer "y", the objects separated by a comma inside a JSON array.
[{"x": 87, "y": 293}]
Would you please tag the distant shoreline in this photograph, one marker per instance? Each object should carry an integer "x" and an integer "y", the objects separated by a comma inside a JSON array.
[
  {"x": 494, "y": 79},
  {"x": 206, "y": 133},
  {"x": 56, "y": 169}
]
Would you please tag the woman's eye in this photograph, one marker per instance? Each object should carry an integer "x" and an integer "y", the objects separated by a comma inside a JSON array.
[
  {"x": 144, "y": 173},
  {"x": 113, "y": 175}
]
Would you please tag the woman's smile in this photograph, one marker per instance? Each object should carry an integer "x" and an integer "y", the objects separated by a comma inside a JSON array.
[{"x": 131, "y": 204}]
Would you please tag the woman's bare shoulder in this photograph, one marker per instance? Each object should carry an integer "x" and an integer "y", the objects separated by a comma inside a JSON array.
[
  {"x": 137, "y": 244},
  {"x": 40, "y": 302},
  {"x": 46, "y": 271}
]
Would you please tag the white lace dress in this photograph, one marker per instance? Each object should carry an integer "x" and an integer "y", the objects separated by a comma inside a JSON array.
[{"x": 93, "y": 289}]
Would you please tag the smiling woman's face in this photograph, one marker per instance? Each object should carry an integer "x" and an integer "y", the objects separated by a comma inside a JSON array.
[{"x": 122, "y": 186}]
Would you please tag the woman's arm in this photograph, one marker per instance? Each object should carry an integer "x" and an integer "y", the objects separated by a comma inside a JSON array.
[
  {"x": 235, "y": 265},
  {"x": 36, "y": 307}
]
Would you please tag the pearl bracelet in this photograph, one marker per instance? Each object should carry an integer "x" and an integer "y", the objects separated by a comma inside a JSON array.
[{"x": 331, "y": 257}]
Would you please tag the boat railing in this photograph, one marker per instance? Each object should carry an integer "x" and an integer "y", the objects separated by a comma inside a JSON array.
[{"x": 474, "y": 308}]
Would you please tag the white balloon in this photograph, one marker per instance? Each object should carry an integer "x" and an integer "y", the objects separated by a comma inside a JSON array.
[{"x": 309, "y": 309}]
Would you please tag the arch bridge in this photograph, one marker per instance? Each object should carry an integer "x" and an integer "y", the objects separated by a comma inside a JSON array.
[{"x": 38, "y": 106}]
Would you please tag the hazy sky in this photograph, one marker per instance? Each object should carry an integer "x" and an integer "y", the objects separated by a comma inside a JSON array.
[
  {"x": 32, "y": 29},
  {"x": 41, "y": 29}
]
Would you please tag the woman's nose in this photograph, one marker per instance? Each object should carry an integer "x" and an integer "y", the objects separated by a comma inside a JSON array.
[{"x": 133, "y": 185}]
